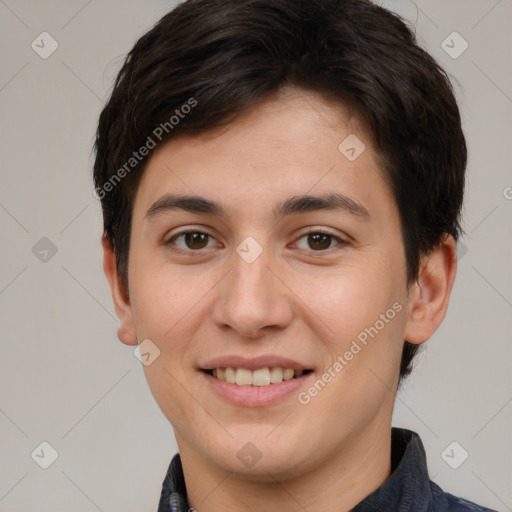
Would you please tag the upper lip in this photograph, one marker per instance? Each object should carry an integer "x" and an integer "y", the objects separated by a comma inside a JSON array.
[{"x": 253, "y": 363}]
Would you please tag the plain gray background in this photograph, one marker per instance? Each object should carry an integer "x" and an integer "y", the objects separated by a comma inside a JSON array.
[{"x": 65, "y": 378}]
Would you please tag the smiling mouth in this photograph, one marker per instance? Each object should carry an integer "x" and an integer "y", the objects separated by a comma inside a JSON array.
[{"x": 260, "y": 377}]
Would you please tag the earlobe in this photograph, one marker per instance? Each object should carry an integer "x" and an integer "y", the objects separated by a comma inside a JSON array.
[
  {"x": 126, "y": 331},
  {"x": 430, "y": 294}
]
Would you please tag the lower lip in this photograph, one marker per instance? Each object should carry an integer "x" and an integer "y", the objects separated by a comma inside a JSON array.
[{"x": 256, "y": 396}]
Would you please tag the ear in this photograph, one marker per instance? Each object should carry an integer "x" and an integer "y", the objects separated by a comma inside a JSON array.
[
  {"x": 126, "y": 332},
  {"x": 430, "y": 294}
]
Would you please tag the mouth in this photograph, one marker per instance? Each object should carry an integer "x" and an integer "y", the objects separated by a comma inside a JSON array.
[{"x": 260, "y": 377}]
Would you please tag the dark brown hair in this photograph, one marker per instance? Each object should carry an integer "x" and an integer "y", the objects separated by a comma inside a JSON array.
[{"x": 221, "y": 56}]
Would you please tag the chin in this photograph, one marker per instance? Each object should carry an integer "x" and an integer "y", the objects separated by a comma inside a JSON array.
[{"x": 255, "y": 455}]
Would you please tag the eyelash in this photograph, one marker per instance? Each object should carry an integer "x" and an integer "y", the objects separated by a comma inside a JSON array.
[{"x": 170, "y": 243}]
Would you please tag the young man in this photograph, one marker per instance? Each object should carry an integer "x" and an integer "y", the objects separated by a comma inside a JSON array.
[{"x": 281, "y": 183}]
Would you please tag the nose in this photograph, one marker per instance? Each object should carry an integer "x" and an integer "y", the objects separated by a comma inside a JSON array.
[{"x": 253, "y": 299}]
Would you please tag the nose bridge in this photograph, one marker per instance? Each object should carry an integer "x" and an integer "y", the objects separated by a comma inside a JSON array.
[{"x": 252, "y": 298}]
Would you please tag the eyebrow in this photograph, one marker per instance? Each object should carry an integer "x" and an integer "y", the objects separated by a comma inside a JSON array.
[{"x": 292, "y": 206}]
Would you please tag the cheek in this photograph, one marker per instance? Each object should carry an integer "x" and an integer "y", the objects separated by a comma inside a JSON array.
[
  {"x": 349, "y": 298},
  {"x": 162, "y": 297},
  {"x": 365, "y": 350},
  {"x": 167, "y": 309},
  {"x": 362, "y": 312},
  {"x": 169, "y": 306}
]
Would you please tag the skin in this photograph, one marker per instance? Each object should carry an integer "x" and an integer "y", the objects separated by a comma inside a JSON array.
[{"x": 294, "y": 300}]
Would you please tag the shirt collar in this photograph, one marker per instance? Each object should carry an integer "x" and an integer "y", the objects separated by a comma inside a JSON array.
[{"x": 407, "y": 488}]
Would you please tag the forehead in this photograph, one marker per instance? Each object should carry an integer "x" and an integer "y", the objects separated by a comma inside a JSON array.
[{"x": 293, "y": 144}]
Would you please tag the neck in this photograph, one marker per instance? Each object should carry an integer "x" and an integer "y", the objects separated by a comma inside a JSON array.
[{"x": 353, "y": 471}]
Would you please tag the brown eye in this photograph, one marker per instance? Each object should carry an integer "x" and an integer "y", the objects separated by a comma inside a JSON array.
[
  {"x": 190, "y": 241},
  {"x": 196, "y": 240},
  {"x": 319, "y": 241}
]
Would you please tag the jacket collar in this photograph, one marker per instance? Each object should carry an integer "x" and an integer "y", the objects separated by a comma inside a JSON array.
[{"x": 407, "y": 488}]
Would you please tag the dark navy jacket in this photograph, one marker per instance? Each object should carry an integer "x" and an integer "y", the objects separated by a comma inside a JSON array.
[{"x": 407, "y": 489}]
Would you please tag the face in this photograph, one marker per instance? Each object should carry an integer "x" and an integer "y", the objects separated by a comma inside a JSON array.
[{"x": 290, "y": 263}]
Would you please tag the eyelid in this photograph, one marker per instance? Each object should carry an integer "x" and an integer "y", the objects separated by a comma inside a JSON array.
[
  {"x": 311, "y": 230},
  {"x": 168, "y": 241},
  {"x": 321, "y": 231}
]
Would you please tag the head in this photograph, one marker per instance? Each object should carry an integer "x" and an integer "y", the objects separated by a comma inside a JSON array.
[{"x": 272, "y": 111}]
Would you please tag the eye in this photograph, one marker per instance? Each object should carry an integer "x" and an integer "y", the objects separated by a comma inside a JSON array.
[
  {"x": 319, "y": 241},
  {"x": 196, "y": 241},
  {"x": 189, "y": 241}
]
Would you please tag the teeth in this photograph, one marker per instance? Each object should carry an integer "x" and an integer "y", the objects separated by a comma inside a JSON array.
[
  {"x": 243, "y": 377},
  {"x": 230, "y": 375},
  {"x": 276, "y": 375},
  {"x": 288, "y": 374},
  {"x": 260, "y": 377}
]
